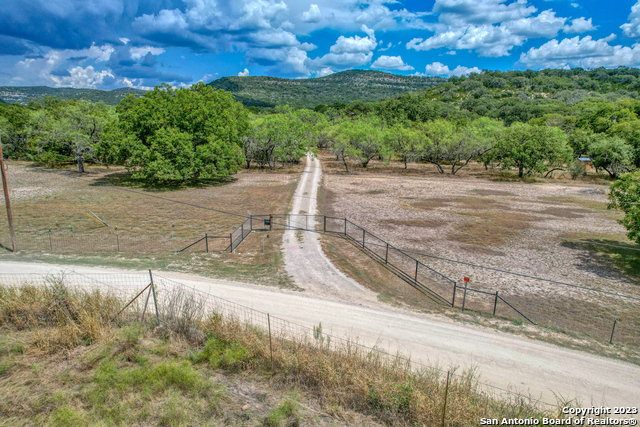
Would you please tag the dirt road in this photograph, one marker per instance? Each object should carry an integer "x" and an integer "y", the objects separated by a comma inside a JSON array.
[
  {"x": 304, "y": 259},
  {"x": 347, "y": 309}
]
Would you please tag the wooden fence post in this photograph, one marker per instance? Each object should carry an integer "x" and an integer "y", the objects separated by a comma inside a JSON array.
[
  {"x": 495, "y": 304},
  {"x": 446, "y": 393},
  {"x": 386, "y": 255},
  {"x": 50, "y": 242},
  {"x": 613, "y": 330},
  {"x": 363, "y": 234},
  {"x": 270, "y": 221},
  {"x": 417, "y": 264},
  {"x": 345, "y": 226},
  {"x": 206, "y": 241},
  {"x": 231, "y": 239},
  {"x": 324, "y": 229},
  {"x": 118, "y": 241}
]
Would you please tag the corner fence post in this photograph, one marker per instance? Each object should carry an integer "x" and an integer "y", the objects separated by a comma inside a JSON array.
[
  {"x": 495, "y": 304},
  {"x": 206, "y": 241},
  {"x": 613, "y": 330}
]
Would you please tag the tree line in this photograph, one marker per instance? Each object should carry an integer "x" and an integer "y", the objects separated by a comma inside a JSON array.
[{"x": 174, "y": 134}]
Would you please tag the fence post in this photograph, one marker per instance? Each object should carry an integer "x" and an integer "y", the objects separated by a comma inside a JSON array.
[
  {"x": 231, "y": 240},
  {"x": 242, "y": 231},
  {"x": 206, "y": 242},
  {"x": 464, "y": 296},
  {"x": 495, "y": 304},
  {"x": 345, "y": 226},
  {"x": 455, "y": 288},
  {"x": 613, "y": 330},
  {"x": 386, "y": 255},
  {"x": 251, "y": 222},
  {"x": 270, "y": 221},
  {"x": 270, "y": 344},
  {"x": 118, "y": 241},
  {"x": 417, "y": 264},
  {"x": 363, "y": 233},
  {"x": 446, "y": 393},
  {"x": 155, "y": 299},
  {"x": 50, "y": 242},
  {"x": 324, "y": 229}
]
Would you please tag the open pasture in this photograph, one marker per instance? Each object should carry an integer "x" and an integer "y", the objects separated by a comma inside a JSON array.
[
  {"x": 150, "y": 228},
  {"x": 556, "y": 229}
]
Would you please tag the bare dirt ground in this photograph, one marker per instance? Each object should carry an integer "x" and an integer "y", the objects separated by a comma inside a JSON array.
[
  {"x": 304, "y": 259},
  {"x": 551, "y": 229}
]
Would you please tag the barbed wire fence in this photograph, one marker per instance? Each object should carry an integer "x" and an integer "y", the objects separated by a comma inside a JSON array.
[{"x": 176, "y": 299}]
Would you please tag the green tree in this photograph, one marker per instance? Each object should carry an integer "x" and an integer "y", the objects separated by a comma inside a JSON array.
[
  {"x": 179, "y": 134},
  {"x": 612, "y": 154},
  {"x": 531, "y": 148},
  {"x": 625, "y": 195},
  {"x": 361, "y": 139},
  {"x": 68, "y": 130},
  {"x": 406, "y": 142}
]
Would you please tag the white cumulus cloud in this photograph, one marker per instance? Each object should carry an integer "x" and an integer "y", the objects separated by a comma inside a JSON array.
[
  {"x": 313, "y": 15},
  {"x": 632, "y": 28},
  {"x": 244, "y": 73},
  {"x": 579, "y": 26},
  {"x": 391, "y": 63},
  {"x": 439, "y": 69},
  {"x": 139, "y": 52},
  {"x": 581, "y": 52}
]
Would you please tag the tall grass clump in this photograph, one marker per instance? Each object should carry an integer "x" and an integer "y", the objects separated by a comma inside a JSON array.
[
  {"x": 356, "y": 378},
  {"x": 61, "y": 317}
]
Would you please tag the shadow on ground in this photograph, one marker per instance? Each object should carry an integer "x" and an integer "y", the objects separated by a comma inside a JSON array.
[{"x": 609, "y": 259}]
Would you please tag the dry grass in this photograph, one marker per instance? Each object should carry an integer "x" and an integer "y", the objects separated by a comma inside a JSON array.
[
  {"x": 144, "y": 376},
  {"x": 149, "y": 229}
]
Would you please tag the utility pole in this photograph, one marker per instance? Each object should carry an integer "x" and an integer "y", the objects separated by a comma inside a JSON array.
[{"x": 3, "y": 169}]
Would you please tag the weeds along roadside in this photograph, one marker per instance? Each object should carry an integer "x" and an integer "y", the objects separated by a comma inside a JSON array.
[{"x": 60, "y": 319}]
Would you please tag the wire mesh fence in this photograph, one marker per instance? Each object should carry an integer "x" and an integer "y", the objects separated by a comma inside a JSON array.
[
  {"x": 577, "y": 311},
  {"x": 178, "y": 302}
]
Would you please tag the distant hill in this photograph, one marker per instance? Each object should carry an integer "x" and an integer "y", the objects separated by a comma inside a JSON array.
[
  {"x": 345, "y": 86},
  {"x": 22, "y": 94}
]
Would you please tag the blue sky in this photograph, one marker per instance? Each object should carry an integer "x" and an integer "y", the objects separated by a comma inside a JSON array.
[{"x": 107, "y": 44}]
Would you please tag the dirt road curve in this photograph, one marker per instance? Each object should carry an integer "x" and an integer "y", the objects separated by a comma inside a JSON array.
[
  {"x": 304, "y": 260},
  {"x": 502, "y": 360}
]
